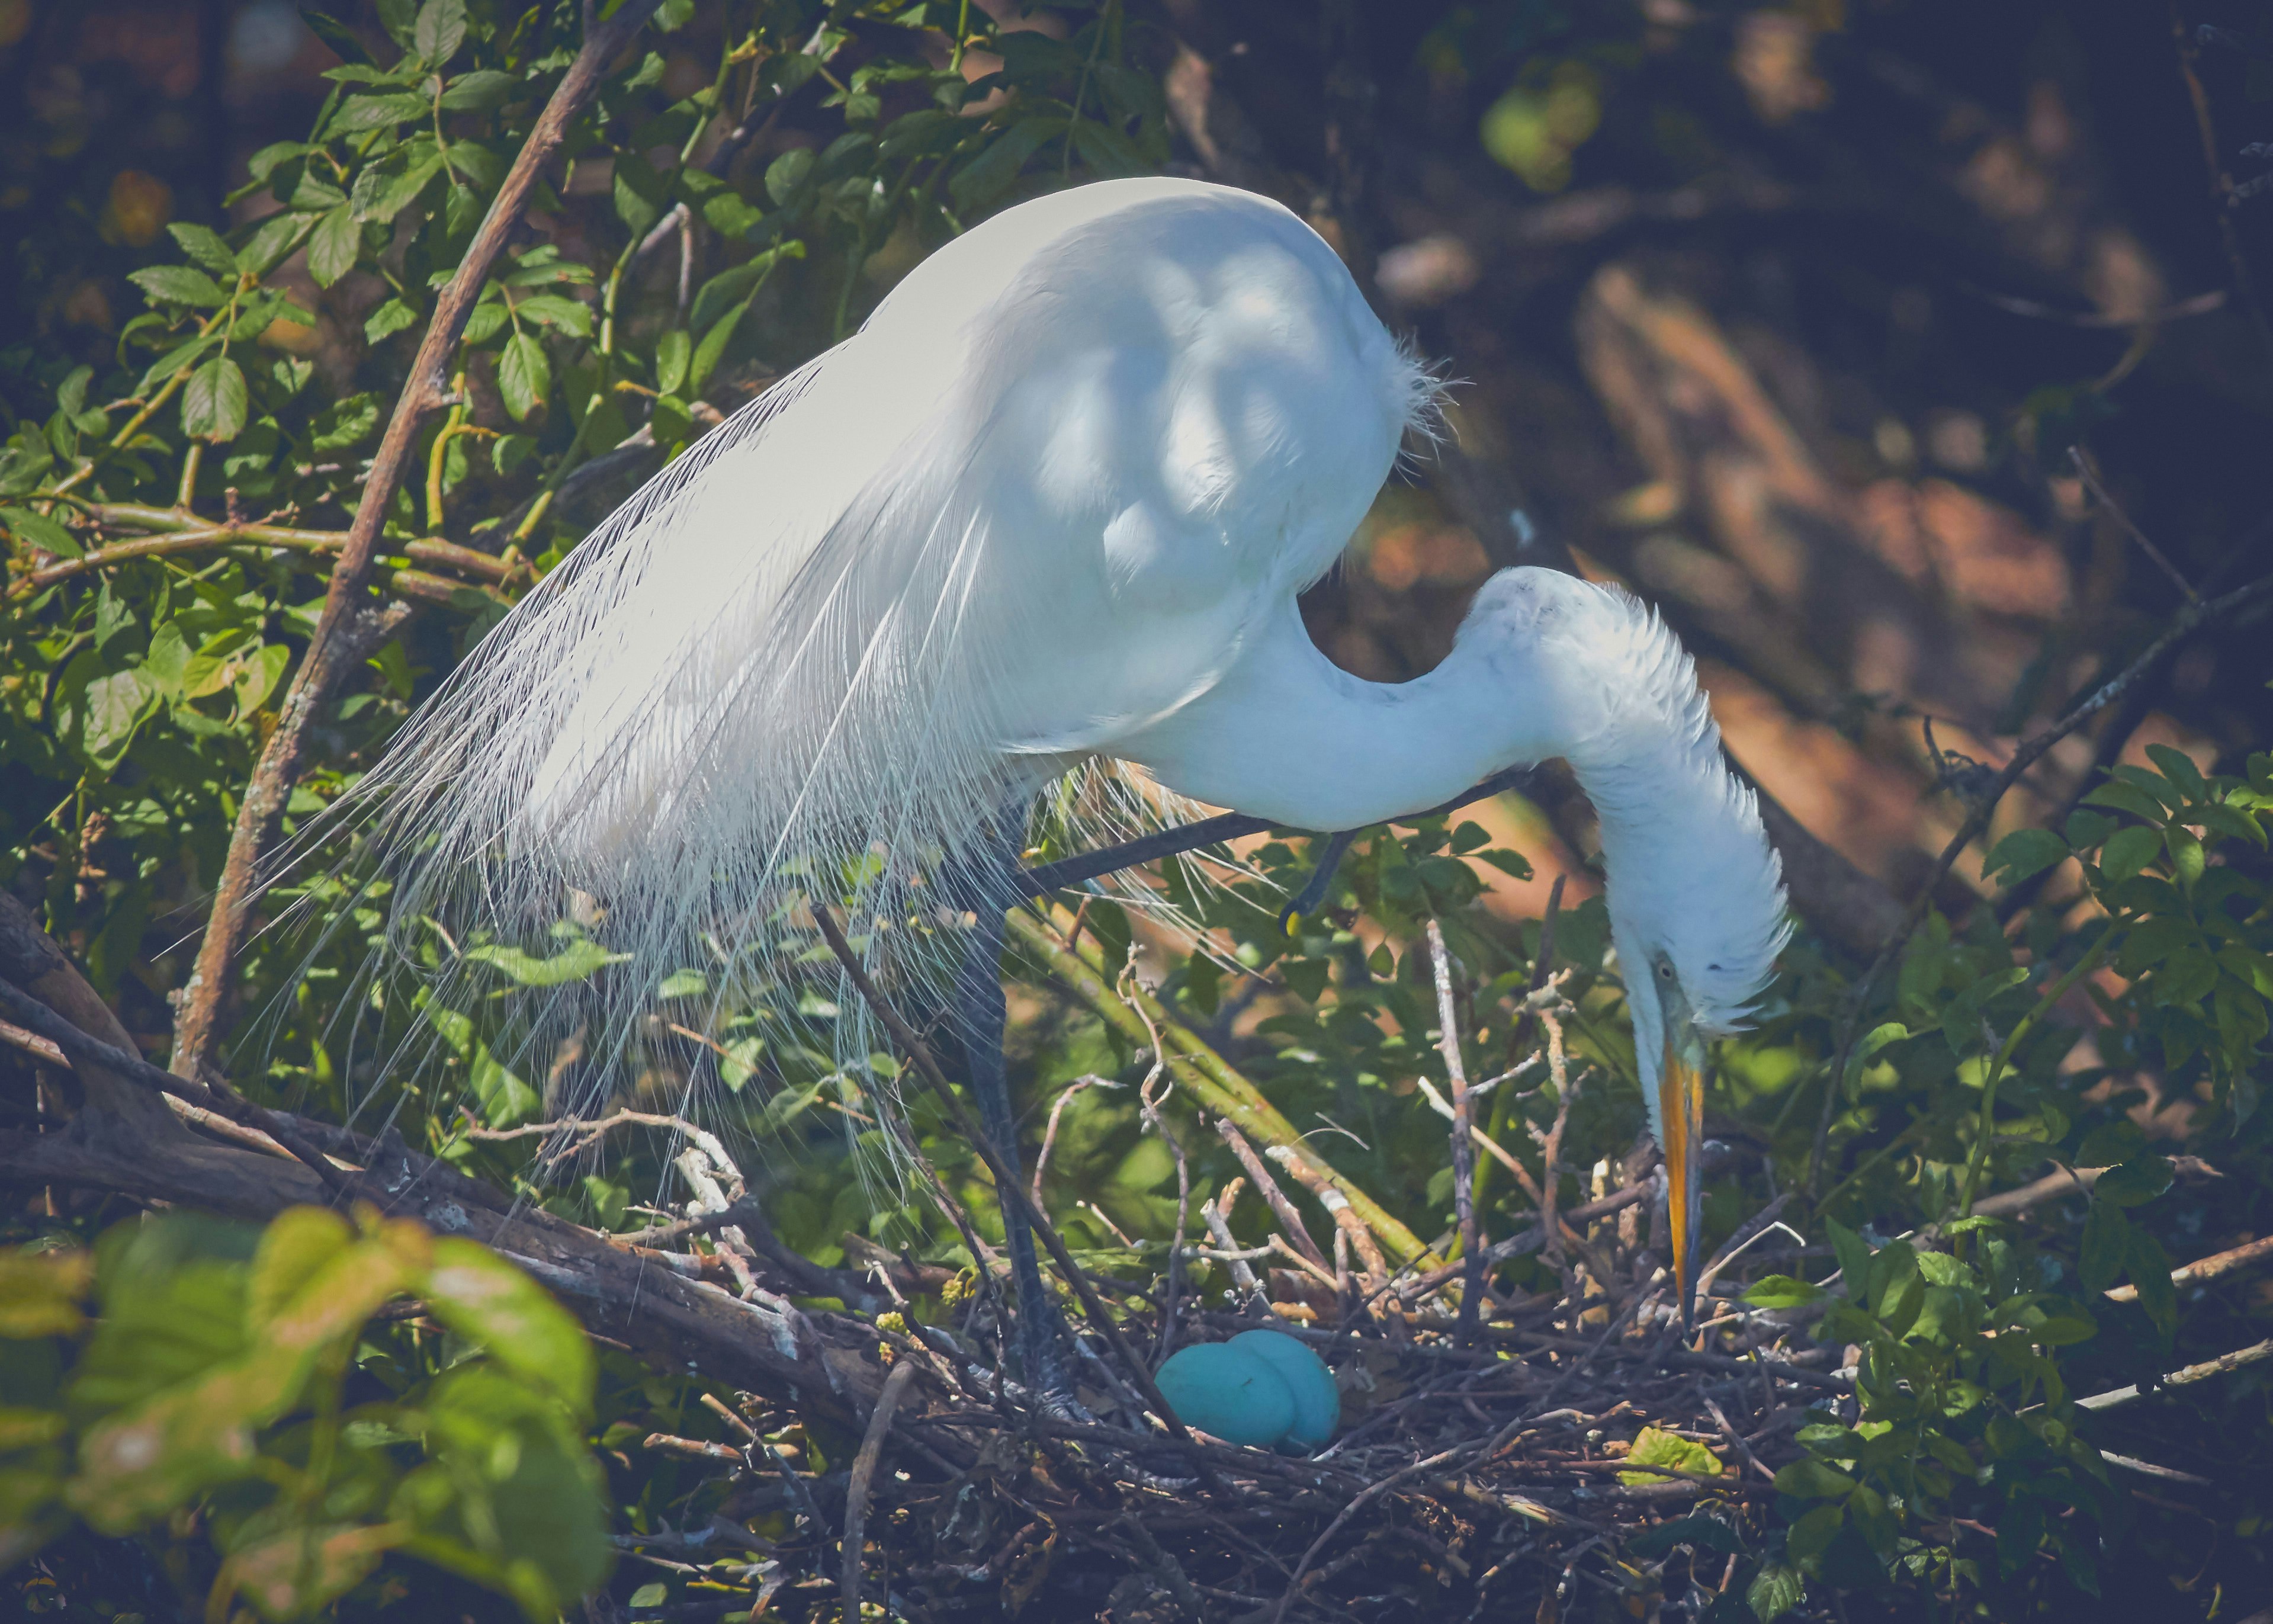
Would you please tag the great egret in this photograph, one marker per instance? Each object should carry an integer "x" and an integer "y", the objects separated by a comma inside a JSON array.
[{"x": 1051, "y": 507}]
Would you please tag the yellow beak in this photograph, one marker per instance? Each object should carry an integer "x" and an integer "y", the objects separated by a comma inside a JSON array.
[{"x": 1681, "y": 1104}]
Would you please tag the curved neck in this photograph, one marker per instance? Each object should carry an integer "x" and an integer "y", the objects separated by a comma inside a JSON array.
[{"x": 1288, "y": 735}]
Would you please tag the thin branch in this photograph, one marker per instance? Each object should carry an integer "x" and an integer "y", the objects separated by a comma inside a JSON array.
[
  {"x": 864, "y": 1473},
  {"x": 2192, "y": 1373},
  {"x": 1463, "y": 1130},
  {"x": 198, "y": 1028},
  {"x": 2090, "y": 474},
  {"x": 1289, "y": 1218}
]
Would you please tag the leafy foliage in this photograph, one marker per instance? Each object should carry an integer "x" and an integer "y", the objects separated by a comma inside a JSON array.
[{"x": 241, "y": 1377}]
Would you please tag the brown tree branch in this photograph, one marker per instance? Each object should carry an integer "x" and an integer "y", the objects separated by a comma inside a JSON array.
[{"x": 200, "y": 1025}]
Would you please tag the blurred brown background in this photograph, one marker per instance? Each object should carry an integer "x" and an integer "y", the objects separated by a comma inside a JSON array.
[{"x": 1793, "y": 318}]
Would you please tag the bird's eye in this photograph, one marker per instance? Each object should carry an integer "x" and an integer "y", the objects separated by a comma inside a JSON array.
[{"x": 1665, "y": 973}]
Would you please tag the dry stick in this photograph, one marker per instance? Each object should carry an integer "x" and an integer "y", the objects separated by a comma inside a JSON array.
[
  {"x": 2207, "y": 1269},
  {"x": 175, "y": 531},
  {"x": 1347, "y": 1221},
  {"x": 1289, "y": 1220},
  {"x": 1551, "y": 1147},
  {"x": 84, "y": 1050},
  {"x": 864, "y": 1472},
  {"x": 1057, "y": 1110},
  {"x": 1539, "y": 965},
  {"x": 426, "y": 391},
  {"x": 2203, "y": 1372},
  {"x": 2192, "y": 619},
  {"x": 1006, "y": 1183},
  {"x": 1151, "y": 1109},
  {"x": 1464, "y": 1148}
]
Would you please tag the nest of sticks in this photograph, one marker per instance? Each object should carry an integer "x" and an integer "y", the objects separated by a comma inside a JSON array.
[{"x": 1563, "y": 1455}]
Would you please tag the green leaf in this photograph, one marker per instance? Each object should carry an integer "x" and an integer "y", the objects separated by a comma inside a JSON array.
[
  {"x": 1774, "y": 1590},
  {"x": 478, "y": 91},
  {"x": 2127, "y": 797},
  {"x": 273, "y": 238},
  {"x": 1705, "y": 1533},
  {"x": 2023, "y": 854},
  {"x": 2106, "y": 1243},
  {"x": 1865, "y": 1051},
  {"x": 2179, "y": 768},
  {"x": 2186, "y": 853},
  {"x": 2128, "y": 850},
  {"x": 713, "y": 346},
  {"x": 439, "y": 31},
  {"x": 358, "y": 114},
  {"x": 298, "y": 1243},
  {"x": 671, "y": 354},
  {"x": 574, "y": 963},
  {"x": 389, "y": 320},
  {"x": 380, "y": 195},
  {"x": 213, "y": 405},
  {"x": 1654, "y": 1447},
  {"x": 524, "y": 375},
  {"x": 640, "y": 192},
  {"x": 179, "y": 284},
  {"x": 2141, "y": 1179},
  {"x": 1854, "y": 1255},
  {"x": 989, "y": 175},
  {"x": 553, "y": 310},
  {"x": 37, "y": 529},
  {"x": 786, "y": 174},
  {"x": 479, "y": 1294},
  {"x": 2111, "y": 1144},
  {"x": 1814, "y": 1530},
  {"x": 1781, "y": 1291},
  {"x": 257, "y": 677},
  {"x": 1808, "y": 1478},
  {"x": 203, "y": 244},
  {"x": 2150, "y": 1268},
  {"x": 333, "y": 247}
]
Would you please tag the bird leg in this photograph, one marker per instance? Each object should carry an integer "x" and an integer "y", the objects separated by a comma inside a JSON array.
[
  {"x": 1314, "y": 889},
  {"x": 981, "y": 1014}
]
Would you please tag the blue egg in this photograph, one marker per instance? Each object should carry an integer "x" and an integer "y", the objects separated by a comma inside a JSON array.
[
  {"x": 1222, "y": 1389},
  {"x": 1317, "y": 1402}
]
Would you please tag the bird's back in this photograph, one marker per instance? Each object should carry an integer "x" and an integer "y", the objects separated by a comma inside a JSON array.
[{"x": 1038, "y": 500}]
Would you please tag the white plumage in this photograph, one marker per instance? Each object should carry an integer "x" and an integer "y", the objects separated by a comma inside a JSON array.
[{"x": 1050, "y": 507}]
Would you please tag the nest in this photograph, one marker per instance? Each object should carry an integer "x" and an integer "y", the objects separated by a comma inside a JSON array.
[{"x": 1558, "y": 1456}]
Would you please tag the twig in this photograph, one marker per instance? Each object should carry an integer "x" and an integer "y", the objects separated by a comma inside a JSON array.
[
  {"x": 2189, "y": 620},
  {"x": 2170, "y": 1474},
  {"x": 2090, "y": 477},
  {"x": 2206, "y": 1268},
  {"x": 2203, "y": 1372},
  {"x": 1750, "y": 1230},
  {"x": 198, "y": 1028},
  {"x": 1057, "y": 1110},
  {"x": 1464, "y": 1148},
  {"x": 1006, "y": 1182},
  {"x": 1289, "y": 1220},
  {"x": 1242, "y": 1278},
  {"x": 1337, "y": 1207},
  {"x": 216, "y": 1096},
  {"x": 1551, "y": 1147},
  {"x": 864, "y": 1473}
]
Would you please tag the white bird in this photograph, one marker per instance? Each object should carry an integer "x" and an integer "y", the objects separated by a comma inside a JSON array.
[{"x": 1050, "y": 508}]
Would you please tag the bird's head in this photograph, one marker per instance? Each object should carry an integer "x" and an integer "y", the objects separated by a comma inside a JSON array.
[{"x": 1695, "y": 892}]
